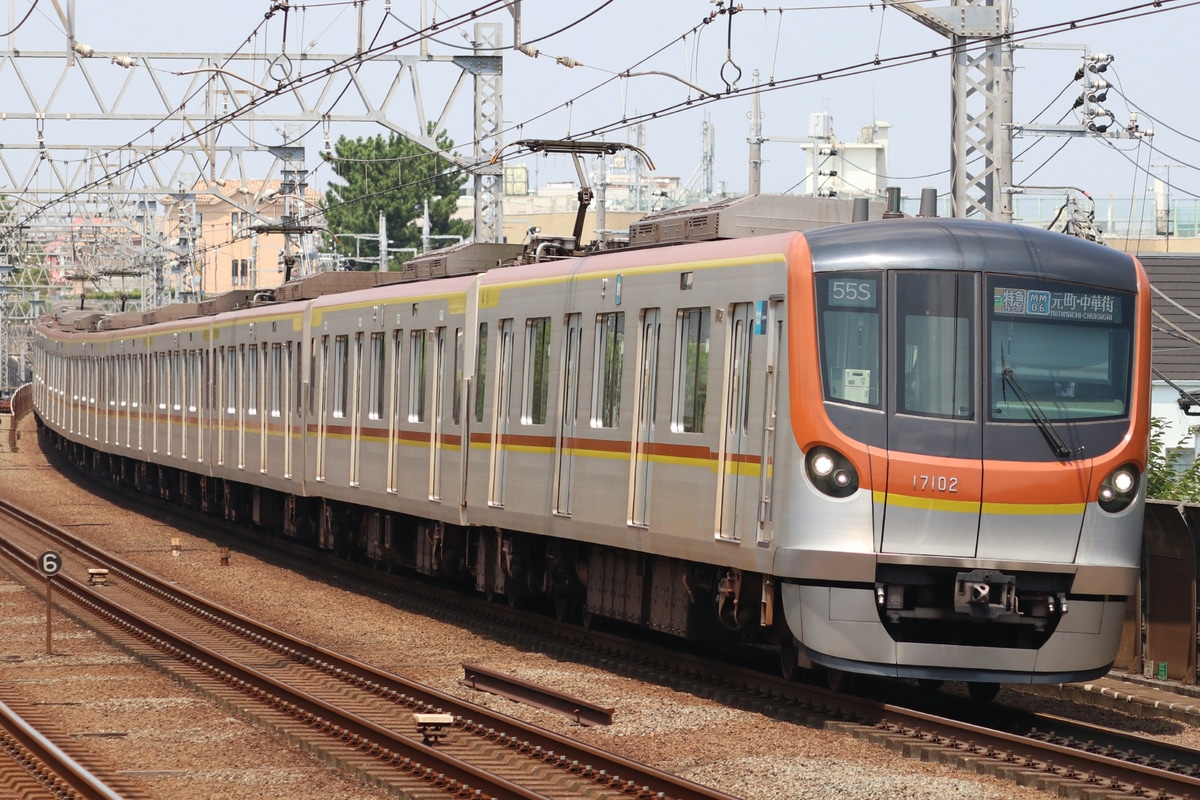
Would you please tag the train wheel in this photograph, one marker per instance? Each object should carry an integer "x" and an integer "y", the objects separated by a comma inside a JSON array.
[
  {"x": 514, "y": 601},
  {"x": 838, "y": 680},
  {"x": 562, "y": 606},
  {"x": 929, "y": 684},
  {"x": 983, "y": 692},
  {"x": 587, "y": 619},
  {"x": 789, "y": 658}
]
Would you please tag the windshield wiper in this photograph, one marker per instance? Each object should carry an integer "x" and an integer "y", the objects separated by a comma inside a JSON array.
[{"x": 1052, "y": 436}]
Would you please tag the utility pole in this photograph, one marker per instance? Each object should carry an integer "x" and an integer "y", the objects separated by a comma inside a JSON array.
[
  {"x": 756, "y": 141},
  {"x": 981, "y": 102}
]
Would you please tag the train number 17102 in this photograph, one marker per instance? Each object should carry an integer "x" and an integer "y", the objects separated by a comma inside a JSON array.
[{"x": 935, "y": 483}]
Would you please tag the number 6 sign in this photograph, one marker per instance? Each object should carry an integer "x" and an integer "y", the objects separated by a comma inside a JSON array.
[{"x": 50, "y": 563}]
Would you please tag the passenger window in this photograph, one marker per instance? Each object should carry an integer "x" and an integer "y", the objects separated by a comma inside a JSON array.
[
  {"x": 481, "y": 370},
  {"x": 416, "y": 376},
  {"x": 606, "y": 381},
  {"x": 341, "y": 358},
  {"x": 376, "y": 390},
  {"x": 458, "y": 375},
  {"x": 689, "y": 394},
  {"x": 537, "y": 371},
  {"x": 275, "y": 382},
  {"x": 252, "y": 380}
]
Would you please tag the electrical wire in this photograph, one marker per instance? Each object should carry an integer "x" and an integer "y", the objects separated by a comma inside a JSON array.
[
  {"x": 1106, "y": 18},
  {"x": 348, "y": 63},
  {"x": 568, "y": 27},
  {"x": 24, "y": 19}
]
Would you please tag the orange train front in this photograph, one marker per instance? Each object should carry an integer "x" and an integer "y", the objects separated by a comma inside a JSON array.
[{"x": 971, "y": 404}]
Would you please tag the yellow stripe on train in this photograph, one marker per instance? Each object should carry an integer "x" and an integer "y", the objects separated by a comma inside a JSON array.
[{"x": 968, "y": 506}]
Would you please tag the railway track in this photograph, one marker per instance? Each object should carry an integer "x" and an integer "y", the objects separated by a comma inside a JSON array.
[
  {"x": 1054, "y": 758},
  {"x": 33, "y": 767},
  {"x": 386, "y": 730}
]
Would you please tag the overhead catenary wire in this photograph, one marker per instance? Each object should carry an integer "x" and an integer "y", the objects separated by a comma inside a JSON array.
[
  {"x": 215, "y": 124},
  {"x": 1133, "y": 12}
]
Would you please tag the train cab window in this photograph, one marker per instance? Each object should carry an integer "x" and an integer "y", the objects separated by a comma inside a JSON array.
[
  {"x": 609, "y": 361},
  {"x": 416, "y": 376},
  {"x": 689, "y": 392},
  {"x": 935, "y": 320},
  {"x": 849, "y": 331},
  {"x": 481, "y": 370},
  {"x": 537, "y": 371},
  {"x": 1061, "y": 350}
]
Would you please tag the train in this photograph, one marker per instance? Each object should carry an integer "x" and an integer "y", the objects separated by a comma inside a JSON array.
[{"x": 910, "y": 447}]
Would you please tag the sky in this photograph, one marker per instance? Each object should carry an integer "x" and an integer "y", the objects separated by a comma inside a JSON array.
[{"x": 544, "y": 99}]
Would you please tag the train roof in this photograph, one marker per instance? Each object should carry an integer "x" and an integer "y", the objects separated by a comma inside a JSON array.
[{"x": 941, "y": 243}]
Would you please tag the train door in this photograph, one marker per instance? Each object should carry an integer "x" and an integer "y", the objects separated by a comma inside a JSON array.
[
  {"x": 196, "y": 400},
  {"x": 252, "y": 411},
  {"x": 187, "y": 384},
  {"x": 643, "y": 434},
  {"x": 773, "y": 329},
  {"x": 160, "y": 398},
  {"x": 435, "y": 414},
  {"x": 504, "y": 358},
  {"x": 355, "y": 410},
  {"x": 225, "y": 406},
  {"x": 138, "y": 392},
  {"x": 456, "y": 354},
  {"x": 174, "y": 401},
  {"x": 933, "y": 504},
  {"x": 262, "y": 377},
  {"x": 93, "y": 403},
  {"x": 275, "y": 407},
  {"x": 734, "y": 484},
  {"x": 291, "y": 410},
  {"x": 111, "y": 421},
  {"x": 376, "y": 395},
  {"x": 564, "y": 444},
  {"x": 318, "y": 401},
  {"x": 394, "y": 413}
]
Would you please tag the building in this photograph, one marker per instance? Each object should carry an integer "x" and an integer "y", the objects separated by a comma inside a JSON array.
[{"x": 230, "y": 238}]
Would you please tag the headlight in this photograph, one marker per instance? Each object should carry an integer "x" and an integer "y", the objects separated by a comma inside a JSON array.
[
  {"x": 1119, "y": 489},
  {"x": 831, "y": 472}
]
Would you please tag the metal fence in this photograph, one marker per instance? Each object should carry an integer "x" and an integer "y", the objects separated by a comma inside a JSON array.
[{"x": 1159, "y": 638}]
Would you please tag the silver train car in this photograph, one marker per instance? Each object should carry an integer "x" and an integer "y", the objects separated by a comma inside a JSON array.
[{"x": 912, "y": 448}]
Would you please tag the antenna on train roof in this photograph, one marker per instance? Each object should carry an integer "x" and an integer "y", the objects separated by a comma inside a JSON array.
[{"x": 575, "y": 149}]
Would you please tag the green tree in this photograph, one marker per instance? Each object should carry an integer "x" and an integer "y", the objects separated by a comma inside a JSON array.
[
  {"x": 1165, "y": 479},
  {"x": 394, "y": 175}
]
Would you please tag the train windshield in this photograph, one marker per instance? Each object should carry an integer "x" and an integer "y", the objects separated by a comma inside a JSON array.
[
  {"x": 1059, "y": 350},
  {"x": 849, "y": 307}
]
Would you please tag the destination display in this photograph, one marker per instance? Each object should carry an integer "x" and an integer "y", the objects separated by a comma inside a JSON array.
[
  {"x": 1087, "y": 306},
  {"x": 857, "y": 292}
]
